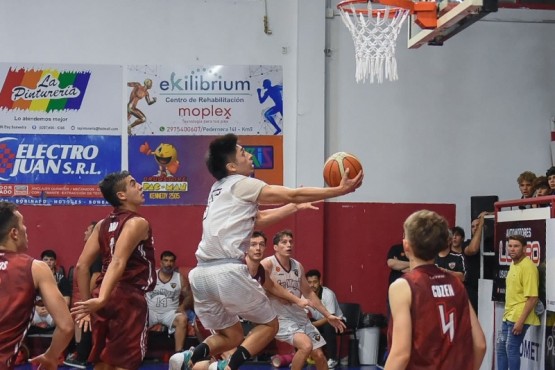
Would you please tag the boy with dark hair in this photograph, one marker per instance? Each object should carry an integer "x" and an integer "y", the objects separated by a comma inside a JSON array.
[
  {"x": 541, "y": 186},
  {"x": 42, "y": 317},
  {"x": 550, "y": 174},
  {"x": 170, "y": 302},
  {"x": 118, "y": 307},
  {"x": 222, "y": 286},
  {"x": 329, "y": 300}
]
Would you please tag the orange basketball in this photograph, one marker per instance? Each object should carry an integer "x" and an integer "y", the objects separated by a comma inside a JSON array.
[{"x": 336, "y": 165}]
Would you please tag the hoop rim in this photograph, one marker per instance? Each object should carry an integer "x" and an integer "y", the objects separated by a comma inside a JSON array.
[
  {"x": 395, "y": 5},
  {"x": 425, "y": 11}
]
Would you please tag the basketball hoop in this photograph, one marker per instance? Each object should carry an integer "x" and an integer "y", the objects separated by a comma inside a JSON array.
[{"x": 375, "y": 33}]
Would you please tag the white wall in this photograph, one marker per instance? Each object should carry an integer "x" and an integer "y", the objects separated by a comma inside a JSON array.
[
  {"x": 186, "y": 32},
  {"x": 464, "y": 119}
]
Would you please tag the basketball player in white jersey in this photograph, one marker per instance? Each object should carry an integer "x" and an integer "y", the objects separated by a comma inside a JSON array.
[
  {"x": 294, "y": 326},
  {"x": 221, "y": 284},
  {"x": 163, "y": 302}
]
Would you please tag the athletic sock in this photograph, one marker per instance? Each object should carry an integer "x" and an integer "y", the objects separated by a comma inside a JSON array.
[
  {"x": 201, "y": 352},
  {"x": 238, "y": 358}
]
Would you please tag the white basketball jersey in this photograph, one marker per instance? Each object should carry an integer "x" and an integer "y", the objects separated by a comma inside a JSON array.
[
  {"x": 228, "y": 220},
  {"x": 290, "y": 280},
  {"x": 165, "y": 296}
]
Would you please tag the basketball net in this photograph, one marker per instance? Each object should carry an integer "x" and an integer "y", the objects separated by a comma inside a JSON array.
[{"x": 375, "y": 33}]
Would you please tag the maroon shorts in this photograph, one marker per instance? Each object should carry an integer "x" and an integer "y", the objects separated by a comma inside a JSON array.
[{"x": 120, "y": 329}]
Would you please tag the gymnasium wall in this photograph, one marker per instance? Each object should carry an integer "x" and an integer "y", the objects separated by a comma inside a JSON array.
[
  {"x": 348, "y": 242},
  {"x": 464, "y": 119}
]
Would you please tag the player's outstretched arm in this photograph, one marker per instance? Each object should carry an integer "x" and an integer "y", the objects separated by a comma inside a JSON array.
[
  {"x": 273, "y": 194},
  {"x": 270, "y": 216},
  {"x": 277, "y": 290},
  {"x": 134, "y": 231},
  {"x": 401, "y": 345},
  {"x": 478, "y": 339},
  {"x": 56, "y": 305},
  {"x": 333, "y": 320},
  {"x": 90, "y": 252}
]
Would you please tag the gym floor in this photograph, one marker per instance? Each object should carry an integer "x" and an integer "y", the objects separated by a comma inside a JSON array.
[{"x": 250, "y": 366}]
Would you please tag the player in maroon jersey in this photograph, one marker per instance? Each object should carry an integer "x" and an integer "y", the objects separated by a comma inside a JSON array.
[
  {"x": 120, "y": 312},
  {"x": 20, "y": 278},
  {"x": 433, "y": 325}
]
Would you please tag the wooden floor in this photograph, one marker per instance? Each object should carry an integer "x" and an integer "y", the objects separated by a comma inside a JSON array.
[{"x": 249, "y": 366}]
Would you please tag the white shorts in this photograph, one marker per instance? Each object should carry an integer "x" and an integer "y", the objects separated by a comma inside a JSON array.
[
  {"x": 166, "y": 319},
  {"x": 223, "y": 292},
  {"x": 288, "y": 328}
]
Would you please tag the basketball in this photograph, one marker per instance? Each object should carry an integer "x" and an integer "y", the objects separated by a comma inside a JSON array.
[{"x": 335, "y": 167}]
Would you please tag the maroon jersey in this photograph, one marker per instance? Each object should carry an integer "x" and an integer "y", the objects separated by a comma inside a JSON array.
[
  {"x": 441, "y": 329},
  {"x": 140, "y": 270},
  {"x": 260, "y": 275},
  {"x": 17, "y": 294}
]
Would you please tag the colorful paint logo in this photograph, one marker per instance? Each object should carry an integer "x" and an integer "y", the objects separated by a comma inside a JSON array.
[{"x": 43, "y": 90}]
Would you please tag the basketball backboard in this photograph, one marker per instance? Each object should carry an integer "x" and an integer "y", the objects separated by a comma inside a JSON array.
[{"x": 453, "y": 17}]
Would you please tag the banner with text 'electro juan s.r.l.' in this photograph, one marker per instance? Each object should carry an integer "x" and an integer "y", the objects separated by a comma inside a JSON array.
[{"x": 56, "y": 169}]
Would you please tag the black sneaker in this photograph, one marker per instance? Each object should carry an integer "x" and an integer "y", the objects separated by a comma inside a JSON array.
[{"x": 75, "y": 363}]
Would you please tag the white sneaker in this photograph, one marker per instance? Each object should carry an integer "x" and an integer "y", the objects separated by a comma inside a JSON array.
[
  {"x": 332, "y": 363},
  {"x": 180, "y": 360}
]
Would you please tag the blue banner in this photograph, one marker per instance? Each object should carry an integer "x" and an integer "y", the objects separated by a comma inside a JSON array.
[{"x": 56, "y": 169}]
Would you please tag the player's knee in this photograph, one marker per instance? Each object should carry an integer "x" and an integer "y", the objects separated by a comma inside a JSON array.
[
  {"x": 234, "y": 335},
  {"x": 303, "y": 344},
  {"x": 317, "y": 355},
  {"x": 180, "y": 321}
]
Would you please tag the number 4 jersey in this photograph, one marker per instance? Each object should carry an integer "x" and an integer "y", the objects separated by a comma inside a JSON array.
[{"x": 441, "y": 329}]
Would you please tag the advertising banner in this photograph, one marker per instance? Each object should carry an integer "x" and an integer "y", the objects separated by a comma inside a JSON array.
[
  {"x": 550, "y": 265},
  {"x": 204, "y": 100},
  {"x": 172, "y": 169},
  {"x": 534, "y": 232},
  {"x": 60, "y": 99},
  {"x": 56, "y": 169},
  {"x": 549, "y": 340}
]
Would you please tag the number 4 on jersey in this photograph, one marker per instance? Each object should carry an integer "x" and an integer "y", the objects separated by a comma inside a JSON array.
[{"x": 447, "y": 322}]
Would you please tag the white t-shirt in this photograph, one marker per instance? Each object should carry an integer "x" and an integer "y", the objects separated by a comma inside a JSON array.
[
  {"x": 229, "y": 218},
  {"x": 330, "y": 302}
]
